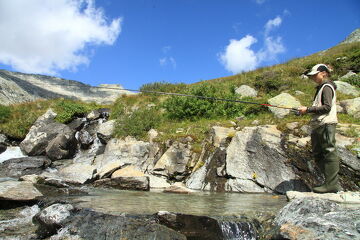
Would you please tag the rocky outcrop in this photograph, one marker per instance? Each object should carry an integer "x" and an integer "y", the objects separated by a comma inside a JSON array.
[
  {"x": 352, "y": 106},
  {"x": 63, "y": 146},
  {"x": 313, "y": 218},
  {"x": 281, "y": 100},
  {"x": 20, "y": 87},
  {"x": 347, "y": 88},
  {"x": 246, "y": 91},
  {"x": 353, "y": 37},
  {"x": 17, "y": 167}
]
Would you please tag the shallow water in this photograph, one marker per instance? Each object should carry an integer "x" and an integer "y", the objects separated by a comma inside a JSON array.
[{"x": 198, "y": 203}]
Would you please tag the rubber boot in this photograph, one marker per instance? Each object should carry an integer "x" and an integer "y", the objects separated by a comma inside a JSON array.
[{"x": 331, "y": 184}]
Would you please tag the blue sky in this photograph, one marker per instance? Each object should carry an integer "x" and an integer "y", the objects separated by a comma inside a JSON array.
[{"x": 133, "y": 42}]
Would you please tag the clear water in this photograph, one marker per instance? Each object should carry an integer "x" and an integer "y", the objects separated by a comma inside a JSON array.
[{"x": 198, "y": 203}]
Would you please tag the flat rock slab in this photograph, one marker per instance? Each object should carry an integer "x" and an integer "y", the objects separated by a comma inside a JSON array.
[
  {"x": 125, "y": 183},
  {"x": 340, "y": 197},
  {"x": 18, "y": 191}
]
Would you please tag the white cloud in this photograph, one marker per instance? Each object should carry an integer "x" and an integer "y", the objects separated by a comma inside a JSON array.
[
  {"x": 238, "y": 56},
  {"x": 271, "y": 24},
  {"x": 167, "y": 61},
  {"x": 41, "y": 36}
]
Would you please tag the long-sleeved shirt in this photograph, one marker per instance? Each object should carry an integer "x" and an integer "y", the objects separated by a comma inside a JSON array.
[{"x": 326, "y": 99}]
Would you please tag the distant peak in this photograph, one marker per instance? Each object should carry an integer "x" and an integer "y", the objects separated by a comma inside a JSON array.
[{"x": 353, "y": 37}]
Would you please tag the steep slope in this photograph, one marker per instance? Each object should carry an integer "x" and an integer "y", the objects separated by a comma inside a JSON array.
[{"x": 19, "y": 87}]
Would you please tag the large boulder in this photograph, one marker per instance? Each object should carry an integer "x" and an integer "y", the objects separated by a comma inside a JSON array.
[
  {"x": 173, "y": 162},
  {"x": 255, "y": 157},
  {"x": 41, "y": 133},
  {"x": 246, "y": 91},
  {"x": 313, "y": 218},
  {"x": 18, "y": 191},
  {"x": 220, "y": 135},
  {"x": 63, "y": 146},
  {"x": 77, "y": 173},
  {"x": 17, "y": 167},
  {"x": 105, "y": 131},
  {"x": 52, "y": 218},
  {"x": 347, "y": 88},
  {"x": 119, "y": 153},
  {"x": 352, "y": 106},
  {"x": 283, "y": 99}
]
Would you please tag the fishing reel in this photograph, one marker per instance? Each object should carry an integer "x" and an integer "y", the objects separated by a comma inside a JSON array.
[{"x": 295, "y": 111}]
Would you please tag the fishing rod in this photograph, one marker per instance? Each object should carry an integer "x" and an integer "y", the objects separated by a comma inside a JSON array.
[{"x": 293, "y": 109}]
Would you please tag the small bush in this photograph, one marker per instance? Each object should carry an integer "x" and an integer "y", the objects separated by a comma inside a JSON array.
[
  {"x": 5, "y": 113},
  {"x": 268, "y": 82}
]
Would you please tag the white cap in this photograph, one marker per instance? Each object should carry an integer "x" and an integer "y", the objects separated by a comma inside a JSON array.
[{"x": 318, "y": 68}]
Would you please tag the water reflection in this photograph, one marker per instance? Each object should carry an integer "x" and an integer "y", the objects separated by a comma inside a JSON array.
[{"x": 199, "y": 203}]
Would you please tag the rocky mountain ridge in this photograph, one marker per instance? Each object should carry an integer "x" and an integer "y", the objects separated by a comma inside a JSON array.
[{"x": 18, "y": 87}]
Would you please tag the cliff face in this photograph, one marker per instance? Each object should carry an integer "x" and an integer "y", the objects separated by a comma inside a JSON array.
[{"x": 19, "y": 87}]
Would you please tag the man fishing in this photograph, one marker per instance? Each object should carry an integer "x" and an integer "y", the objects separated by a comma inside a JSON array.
[{"x": 323, "y": 125}]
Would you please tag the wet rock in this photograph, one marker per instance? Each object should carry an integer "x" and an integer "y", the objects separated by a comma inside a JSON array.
[
  {"x": 347, "y": 88},
  {"x": 41, "y": 133},
  {"x": 16, "y": 223},
  {"x": 105, "y": 131},
  {"x": 90, "y": 225},
  {"x": 52, "y": 218},
  {"x": 63, "y": 146},
  {"x": 85, "y": 139},
  {"x": 77, "y": 173},
  {"x": 255, "y": 154},
  {"x": 208, "y": 228},
  {"x": 33, "y": 178},
  {"x": 178, "y": 189},
  {"x": 17, "y": 167},
  {"x": 18, "y": 191},
  {"x": 126, "y": 183},
  {"x": 3, "y": 144},
  {"x": 158, "y": 182},
  {"x": 280, "y": 100},
  {"x": 221, "y": 136},
  {"x": 352, "y": 106},
  {"x": 312, "y": 218},
  {"x": 340, "y": 197},
  {"x": 246, "y": 91},
  {"x": 173, "y": 162}
]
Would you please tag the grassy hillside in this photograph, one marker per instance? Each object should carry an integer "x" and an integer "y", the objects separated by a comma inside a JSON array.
[{"x": 178, "y": 117}]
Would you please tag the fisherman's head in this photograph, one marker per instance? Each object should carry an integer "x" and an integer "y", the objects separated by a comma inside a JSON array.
[{"x": 319, "y": 73}]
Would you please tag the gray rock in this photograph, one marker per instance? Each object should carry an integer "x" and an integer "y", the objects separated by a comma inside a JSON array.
[
  {"x": 17, "y": 167},
  {"x": 63, "y": 146},
  {"x": 152, "y": 133},
  {"x": 119, "y": 153},
  {"x": 349, "y": 74},
  {"x": 173, "y": 162},
  {"x": 219, "y": 135},
  {"x": 18, "y": 191},
  {"x": 352, "y": 106},
  {"x": 340, "y": 197},
  {"x": 246, "y": 91},
  {"x": 353, "y": 37},
  {"x": 2, "y": 148},
  {"x": 282, "y": 100},
  {"x": 84, "y": 138},
  {"x": 77, "y": 124},
  {"x": 127, "y": 183},
  {"x": 3, "y": 144},
  {"x": 41, "y": 133},
  {"x": 347, "y": 88},
  {"x": 77, "y": 173},
  {"x": 312, "y": 218},
  {"x": 255, "y": 154},
  {"x": 105, "y": 131}
]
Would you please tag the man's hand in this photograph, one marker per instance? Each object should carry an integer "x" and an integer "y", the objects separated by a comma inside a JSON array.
[{"x": 302, "y": 110}]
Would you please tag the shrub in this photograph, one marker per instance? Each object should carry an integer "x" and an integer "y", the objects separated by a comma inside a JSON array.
[
  {"x": 268, "y": 81},
  {"x": 137, "y": 123},
  {"x": 194, "y": 108},
  {"x": 5, "y": 113},
  {"x": 68, "y": 109},
  {"x": 163, "y": 87}
]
